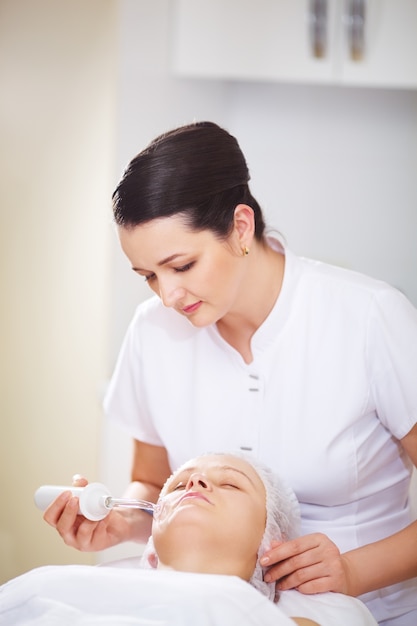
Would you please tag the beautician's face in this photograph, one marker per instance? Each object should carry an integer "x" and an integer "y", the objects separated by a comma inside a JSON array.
[
  {"x": 214, "y": 508},
  {"x": 193, "y": 272}
]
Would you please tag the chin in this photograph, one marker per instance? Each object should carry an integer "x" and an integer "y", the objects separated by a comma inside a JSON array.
[{"x": 200, "y": 321}]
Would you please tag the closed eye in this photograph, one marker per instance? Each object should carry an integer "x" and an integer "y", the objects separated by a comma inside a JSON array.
[
  {"x": 185, "y": 267},
  {"x": 178, "y": 487}
]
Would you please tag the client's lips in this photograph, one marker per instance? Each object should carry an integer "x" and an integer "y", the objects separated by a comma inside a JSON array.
[
  {"x": 194, "y": 494},
  {"x": 192, "y": 307}
]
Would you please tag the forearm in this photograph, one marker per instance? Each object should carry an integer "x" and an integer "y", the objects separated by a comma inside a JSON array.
[
  {"x": 385, "y": 562},
  {"x": 140, "y": 522}
]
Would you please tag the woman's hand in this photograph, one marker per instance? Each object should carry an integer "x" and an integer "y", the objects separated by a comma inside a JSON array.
[
  {"x": 311, "y": 564},
  {"x": 81, "y": 533}
]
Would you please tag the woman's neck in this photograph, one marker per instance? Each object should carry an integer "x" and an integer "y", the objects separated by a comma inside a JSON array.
[{"x": 259, "y": 293}]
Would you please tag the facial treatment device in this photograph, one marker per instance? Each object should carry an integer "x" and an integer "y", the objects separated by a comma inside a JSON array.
[{"x": 95, "y": 500}]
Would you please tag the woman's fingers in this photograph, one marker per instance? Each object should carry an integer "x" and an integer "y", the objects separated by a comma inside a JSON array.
[
  {"x": 287, "y": 556},
  {"x": 54, "y": 511},
  {"x": 79, "y": 481},
  {"x": 62, "y": 514},
  {"x": 75, "y": 530},
  {"x": 79, "y": 532},
  {"x": 310, "y": 564}
]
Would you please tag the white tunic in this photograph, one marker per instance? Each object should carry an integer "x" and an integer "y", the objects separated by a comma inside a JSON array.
[{"x": 331, "y": 388}]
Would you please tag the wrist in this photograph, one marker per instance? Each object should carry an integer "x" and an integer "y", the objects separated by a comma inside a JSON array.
[
  {"x": 352, "y": 580},
  {"x": 138, "y": 525}
]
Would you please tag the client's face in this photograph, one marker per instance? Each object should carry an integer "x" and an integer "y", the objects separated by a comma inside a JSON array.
[{"x": 212, "y": 517}]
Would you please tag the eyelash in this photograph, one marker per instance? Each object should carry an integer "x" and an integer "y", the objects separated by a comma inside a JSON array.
[
  {"x": 182, "y": 486},
  {"x": 184, "y": 268}
]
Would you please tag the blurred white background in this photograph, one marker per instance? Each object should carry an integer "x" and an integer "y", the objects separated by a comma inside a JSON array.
[{"x": 85, "y": 85}]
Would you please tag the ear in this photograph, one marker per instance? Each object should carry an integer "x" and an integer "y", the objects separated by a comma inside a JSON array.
[
  {"x": 244, "y": 225},
  {"x": 153, "y": 560}
]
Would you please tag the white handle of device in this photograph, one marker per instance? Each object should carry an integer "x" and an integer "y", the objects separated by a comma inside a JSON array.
[{"x": 92, "y": 499}]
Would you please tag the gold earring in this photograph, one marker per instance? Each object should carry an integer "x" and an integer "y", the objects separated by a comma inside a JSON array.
[{"x": 245, "y": 250}]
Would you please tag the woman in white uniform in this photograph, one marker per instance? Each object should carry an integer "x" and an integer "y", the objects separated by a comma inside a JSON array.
[{"x": 308, "y": 367}]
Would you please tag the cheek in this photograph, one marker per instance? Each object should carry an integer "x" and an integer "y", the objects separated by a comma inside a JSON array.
[
  {"x": 220, "y": 271},
  {"x": 167, "y": 533},
  {"x": 163, "y": 545},
  {"x": 164, "y": 509},
  {"x": 251, "y": 526},
  {"x": 153, "y": 286}
]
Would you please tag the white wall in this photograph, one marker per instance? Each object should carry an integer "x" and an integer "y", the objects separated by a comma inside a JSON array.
[
  {"x": 56, "y": 163},
  {"x": 336, "y": 171}
]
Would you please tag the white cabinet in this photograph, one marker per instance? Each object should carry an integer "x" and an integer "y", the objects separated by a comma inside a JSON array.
[
  {"x": 274, "y": 40},
  {"x": 390, "y": 57}
]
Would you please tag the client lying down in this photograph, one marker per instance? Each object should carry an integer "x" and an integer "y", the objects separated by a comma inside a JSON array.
[
  {"x": 215, "y": 517},
  {"x": 217, "y": 514}
]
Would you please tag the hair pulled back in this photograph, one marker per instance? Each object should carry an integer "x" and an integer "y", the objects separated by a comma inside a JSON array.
[{"x": 198, "y": 171}]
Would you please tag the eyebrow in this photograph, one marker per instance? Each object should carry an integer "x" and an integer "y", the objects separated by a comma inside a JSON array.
[
  {"x": 234, "y": 469},
  {"x": 163, "y": 262}
]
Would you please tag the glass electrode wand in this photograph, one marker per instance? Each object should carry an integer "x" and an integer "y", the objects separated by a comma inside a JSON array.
[{"x": 111, "y": 503}]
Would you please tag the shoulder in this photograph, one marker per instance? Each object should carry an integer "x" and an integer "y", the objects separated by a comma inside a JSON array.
[
  {"x": 351, "y": 288},
  {"x": 336, "y": 276},
  {"x": 326, "y": 298}
]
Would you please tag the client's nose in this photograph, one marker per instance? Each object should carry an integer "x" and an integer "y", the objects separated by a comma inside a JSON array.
[{"x": 198, "y": 481}]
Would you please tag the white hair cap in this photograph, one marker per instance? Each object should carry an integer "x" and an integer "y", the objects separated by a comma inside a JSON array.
[{"x": 282, "y": 520}]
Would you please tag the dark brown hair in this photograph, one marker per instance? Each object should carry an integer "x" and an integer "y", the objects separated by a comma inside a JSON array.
[{"x": 198, "y": 171}]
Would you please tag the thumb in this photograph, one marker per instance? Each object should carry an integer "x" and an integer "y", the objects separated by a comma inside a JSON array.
[{"x": 79, "y": 481}]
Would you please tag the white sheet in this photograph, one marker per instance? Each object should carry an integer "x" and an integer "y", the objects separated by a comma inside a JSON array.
[{"x": 80, "y": 595}]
